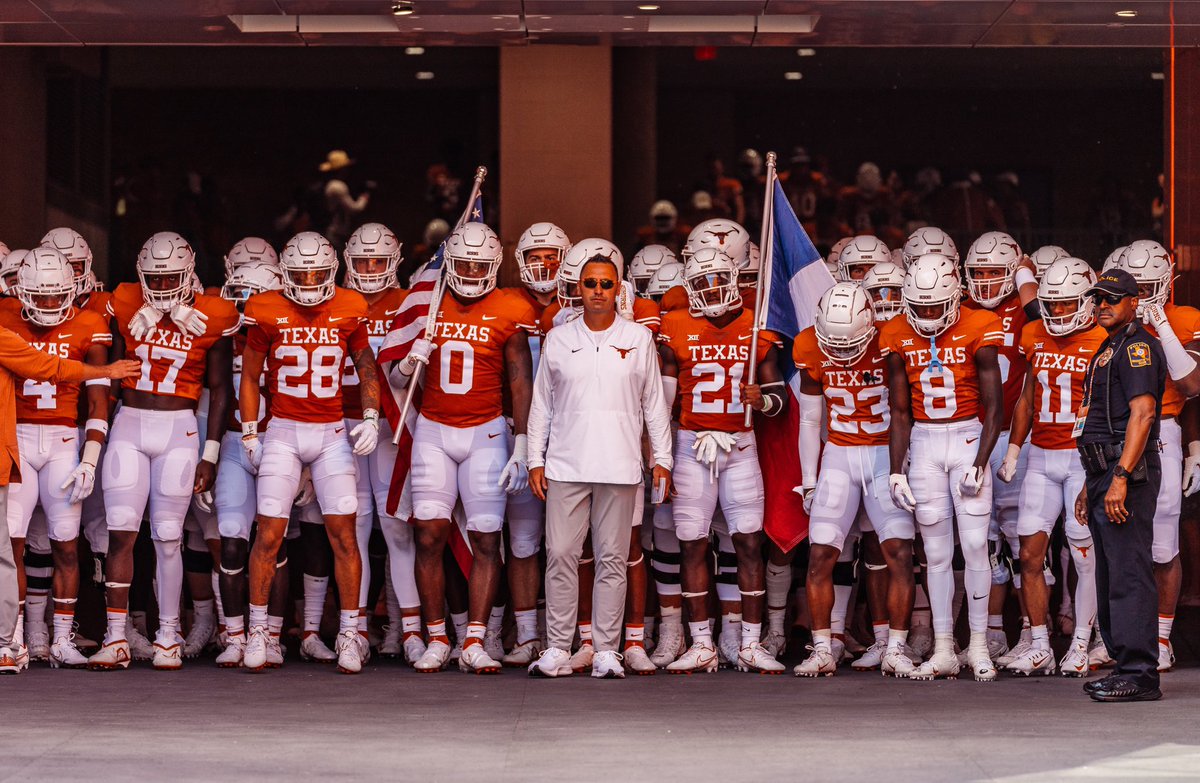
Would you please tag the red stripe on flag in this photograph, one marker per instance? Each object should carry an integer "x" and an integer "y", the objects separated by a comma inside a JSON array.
[{"x": 785, "y": 521}]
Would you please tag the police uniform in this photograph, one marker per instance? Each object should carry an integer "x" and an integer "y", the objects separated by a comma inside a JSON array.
[{"x": 1128, "y": 364}]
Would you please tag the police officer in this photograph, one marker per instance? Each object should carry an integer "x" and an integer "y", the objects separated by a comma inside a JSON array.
[{"x": 1117, "y": 436}]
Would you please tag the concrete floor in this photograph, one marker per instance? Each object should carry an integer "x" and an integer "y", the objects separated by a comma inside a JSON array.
[{"x": 307, "y": 722}]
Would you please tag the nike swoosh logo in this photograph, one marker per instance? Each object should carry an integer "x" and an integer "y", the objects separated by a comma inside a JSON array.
[
  {"x": 489, "y": 317},
  {"x": 67, "y": 440},
  {"x": 339, "y": 430},
  {"x": 743, "y": 337},
  {"x": 331, "y": 320},
  {"x": 979, "y": 597},
  {"x": 190, "y": 434},
  {"x": 63, "y": 336},
  {"x": 576, "y": 350},
  {"x": 971, "y": 440},
  {"x": 743, "y": 448},
  {"x": 960, "y": 337},
  {"x": 493, "y": 435},
  {"x": 877, "y": 360},
  {"x": 1084, "y": 350}
]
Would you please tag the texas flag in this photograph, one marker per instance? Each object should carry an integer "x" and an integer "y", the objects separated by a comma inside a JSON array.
[{"x": 793, "y": 279}]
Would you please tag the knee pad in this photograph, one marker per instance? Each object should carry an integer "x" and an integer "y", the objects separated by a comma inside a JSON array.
[
  {"x": 974, "y": 548},
  {"x": 426, "y": 510},
  {"x": 939, "y": 552},
  {"x": 167, "y": 529},
  {"x": 688, "y": 529},
  {"x": 197, "y": 562},
  {"x": 524, "y": 540}
]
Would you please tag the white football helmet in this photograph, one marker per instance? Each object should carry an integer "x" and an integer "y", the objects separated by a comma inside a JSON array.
[
  {"x": 371, "y": 243},
  {"x": 859, "y": 255},
  {"x": 250, "y": 279},
  {"x": 251, "y": 250},
  {"x": 884, "y": 284},
  {"x": 932, "y": 280},
  {"x": 10, "y": 262},
  {"x": 751, "y": 270},
  {"x": 645, "y": 263},
  {"x": 1046, "y": 255},
  {"x": 1151, "y": 266},
  {"x": 536, "y": 276},
  {"x": 1114, "y": 258},
  {"x": 309, "y": 267},
  {"x": 845, "y": 322},
  {"x": 665, "y": 278},
  {"x": 165, "y": 267},
  {"x": 926, "y": 240},
  {"x": 1067, "y": 280},
  {"x": 572, "y": 267},
  {"x": 725, "y": 235},
  {"x": 472, "y": 256},
  {"x": 835, "y": 252},
  {"x": 711, "y": 280},
  {"x": 75, "y": 248},
  {"x": 46, "y": 286},
  {"x": 994, "y": 250}
]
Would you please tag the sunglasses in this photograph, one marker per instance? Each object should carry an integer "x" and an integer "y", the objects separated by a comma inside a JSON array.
[
  {"x": 592, "y": 282},
  {"x": 1108, "y": 299}
]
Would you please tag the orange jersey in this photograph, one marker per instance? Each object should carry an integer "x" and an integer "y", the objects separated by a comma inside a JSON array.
[
  {"x": 712, "y": 363},
  {"x": 535, "y": 341},
  {"x": 42, "y": 402},
  {"x": 1185, "y": 322},
  {"x": 941, "y": 373},
  {"x": 856, "y": 395},
  {"x": 466, "y": 371},
  {"x": 645, "y": 313},
  {"x": 379, "y": 319},
  {"x": 1012, "y": 363},
  {"x": 674, "y": 299},
  {"x": 1058, "y": 365},
  {"x": 306, "y": 349},
  {"x": 97, "y": 303},
  {"x": 234, "y": 419},
  {"x": 173, "y": 361}
]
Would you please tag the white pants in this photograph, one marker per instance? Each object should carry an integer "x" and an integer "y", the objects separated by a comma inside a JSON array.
[
  {"x": 1006, "y": 497},
  {"x": 526, "y": 517},
  {"x": 151, "y": 459},
  {"x": 738, "y": 488},
  {"x": 854, "y": 477},
  {"x": 460, "y": 463},
  {"x": 1052, "y": 482},
  {"x": 1170, "y": 493},
  {"x": 234, "y": 493},
  {"x": 48, "y": 455},
  {"x": 325, "y": 449}
]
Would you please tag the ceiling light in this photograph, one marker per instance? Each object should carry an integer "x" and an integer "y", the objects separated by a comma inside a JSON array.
[
  {"x": 806, "y": 52},
  {"x": 1157, "y": 76},
  {"x": 424, "y": 76},
  {"x": 403, "y": 8},
  {"x": 213, "y": 28},
  {"x": 1127, "y": 13},
  {"x": 414, "y": 50},
  {"x": 648, "y": 7},
  {"x": 793, "y": 76}
]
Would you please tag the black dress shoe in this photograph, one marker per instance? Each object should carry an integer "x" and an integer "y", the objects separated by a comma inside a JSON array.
[
  {"x": 1124, "y": 690},
  {"x": 1103, "y": 683}
]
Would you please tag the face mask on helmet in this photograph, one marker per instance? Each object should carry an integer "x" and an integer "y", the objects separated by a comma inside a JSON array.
[
  {"x": 473, "y": 256},
  {"x": 932, "y": 293},
  {"x": 248, "y": 280},
  {"x": 1063, "y": 299},
  {"x": 844, "y": 323},
  {"x": 991, "y": 268},
  {"x": 1152, "y": 268},
  {"x": 372, "y": 255},
  {"x": 75, "y": 249},
  {"x": 710, "y": 278},
  {"x": 45, "y": 286},
  {"x": 165, "y": 266},
  {"x": 539, "y": 268},
  {"x": 309, "y": 267}
]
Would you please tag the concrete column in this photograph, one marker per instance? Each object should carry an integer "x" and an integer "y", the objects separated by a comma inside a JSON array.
[
  {"x": 635, "y": 140},
  {"x": 23, "y": 146}
]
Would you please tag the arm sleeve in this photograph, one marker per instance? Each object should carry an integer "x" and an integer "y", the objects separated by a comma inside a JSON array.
[
  {"x": 811, "y": 407},
  {"x": 537, "y": 429},
  {"x": 654, "y": 408}
]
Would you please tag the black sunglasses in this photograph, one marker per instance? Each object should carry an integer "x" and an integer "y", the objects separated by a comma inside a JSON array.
[
  {"x": 1109, "y": 299},
  {"x": 592, "y": 282}
]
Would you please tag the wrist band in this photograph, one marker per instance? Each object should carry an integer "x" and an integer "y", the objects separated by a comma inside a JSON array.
[
  {"x": 212, "y": 451},
  {"x": 99, "y": 425}
]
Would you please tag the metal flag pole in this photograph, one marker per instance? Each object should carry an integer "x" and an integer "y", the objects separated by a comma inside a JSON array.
[
  {"x": 767, "y": 263},
  {"x": 435, "y": 304}
]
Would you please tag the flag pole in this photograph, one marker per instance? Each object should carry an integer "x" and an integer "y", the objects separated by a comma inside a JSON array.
[
  {"x": 766, "y": 265},
  {"x": 435, "y": 305}
]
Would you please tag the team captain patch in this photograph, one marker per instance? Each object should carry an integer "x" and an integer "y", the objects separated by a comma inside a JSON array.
[{"x": 1139, "y": 355}]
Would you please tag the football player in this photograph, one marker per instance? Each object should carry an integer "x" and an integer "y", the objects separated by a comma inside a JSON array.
[
  {"x": 75, "y": 248},
  {"x": 1178, "y": 328},
  {"x": 1058, "y": 348},
  {"x": 302, "y": 336},
  {"x": 859, "y": 256},
  {"x": 705, "y": 355},
  {"x": 843, "y": 376},
  {"x": 943, "y": 368},
  {"x": 884, "y": 283},
  {"x": 926, "y": 240},
  {"x": 250, "y": 250},
  {"x": 53, "y": 471},
  {"x": 153, "y": 457},
  {"x": 1044, "y": 256},
  {"x": 460, "y": 451},
  {"x": 645, "y": 263},
  {"x": 666, "y": 288}
]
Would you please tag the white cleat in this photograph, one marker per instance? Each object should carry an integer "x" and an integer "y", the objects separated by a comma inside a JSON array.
[
  {"x": 475, "y": 660},
  {"x": 139, "y": 646},
  {"x": 1075, "y": 662},
  {"x": 1019, "y": 649},
  {"x": 37, "y": 639},
  {"x": 364, "y": 647},
  {"x": 754, "y": 657},
  {"x": 582, "y": 659},
  {"x": 871, "y": 659},
  {"x": 493, "y": 645},
  {"x": 553, "y": 662},
  {"x": 775, "y": 642},
  {"x": 606, "y": 665},
  {"x": 391, "y": 646},
  {"x": 896, "y": 662},
  {"x": 920, "y": 638},
  {"x": 941, "y": 665},
  {"x": 638, "y": 662},
  {"x": 523, "y": 654},
  {"x": 1166, "y": 656},
  {"x": 22, "y": 657},
  {"x": 838, "y": 649},
  {"x": 274, "y": 652},
  {"x": 1035, "y": 661},
  {"x": 981, "y": 664},
  {"x": 8, "y": 661},
  {"x": 435, "y": 658},
  {"x": 65, "y": 655},
  {"x": 414, "y": 648},
  {"x": 204, "y": 629},
  {"x": 254, "y": 657},
  {"x": 110, "y": 656},
  {"x": 313, "y": 649},
  {"x": 349, "y": 651},
  {"x": 1098, "y": 657},
  {"x": 231, "y": 656},
  {"x": 997, "y": 644},
  {"x": 670, "y": 645},
  {"x": 456, "y": 652},
  {"x": 728, "y": 647},
  {"x": 168, "y": 653},
  {"x": 819, "y": 663},
  {"x": 700, "y": 657}
]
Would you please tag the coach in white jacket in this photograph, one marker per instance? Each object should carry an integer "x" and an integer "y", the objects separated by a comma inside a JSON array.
[{"x": 597, "y": 384}]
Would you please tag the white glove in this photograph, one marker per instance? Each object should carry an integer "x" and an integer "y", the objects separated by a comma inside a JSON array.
[
  {"x": 515, "y": 476},
  {"x": 145, "y": 319},
  {"x": 1191, "y": 469},
  {"x": 902, "y": 494},
  {"x": 204, "y": 501},
  {"x": 366, "y": 435},
  {"x": 83, "y": 478},
  {"x": 418, "y": 354},
  {"x": 307, "y": 493},
  {"x": 251, "y": 444},
  {"x": 1008, "y": 467},
  {"x": 971, "y": 482},
  {"x": 708, "y": 444},
  {"x": 189, "y": 319},
  {"x": 1154, "y": 315},
  {"x": 806, "y": 494}
]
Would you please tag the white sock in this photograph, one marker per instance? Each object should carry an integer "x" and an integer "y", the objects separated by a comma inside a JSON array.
[
  {"x": 496, "y": 619},
  {"x": 823, "y": 640},
  {"x": 751, "y": 632},
  {"x": 881, "y": 632},
  {"x": 315, "y": 589},
  {"x": 459, "y": 619},
  {"x": 258, "y": 617},
  {"x": 216, "y": 586},
  {"x": 585, "y": 633},
  {"x": 1083, "y": 553},
  {"x": 701, "y": 632},
  {"x": 235, "y": 626},
  {"x": 526, "y": 625},
  {"x": 35, "y": 608},
  {"x": 206, "y": 608},
  {"x": 896, "y": 638},
  {"x": 1041, "y": 637},
  {"x": 168, "y": 582},
  {"x": 117, "y": 620},
  {"x": 841, "y": 605},
  {"x": 347, "y": 620},
  {"x": 671, "y": 615}
]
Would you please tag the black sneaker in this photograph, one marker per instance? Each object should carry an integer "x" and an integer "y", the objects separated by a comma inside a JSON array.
[{"x": 1124, "y": 690}]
